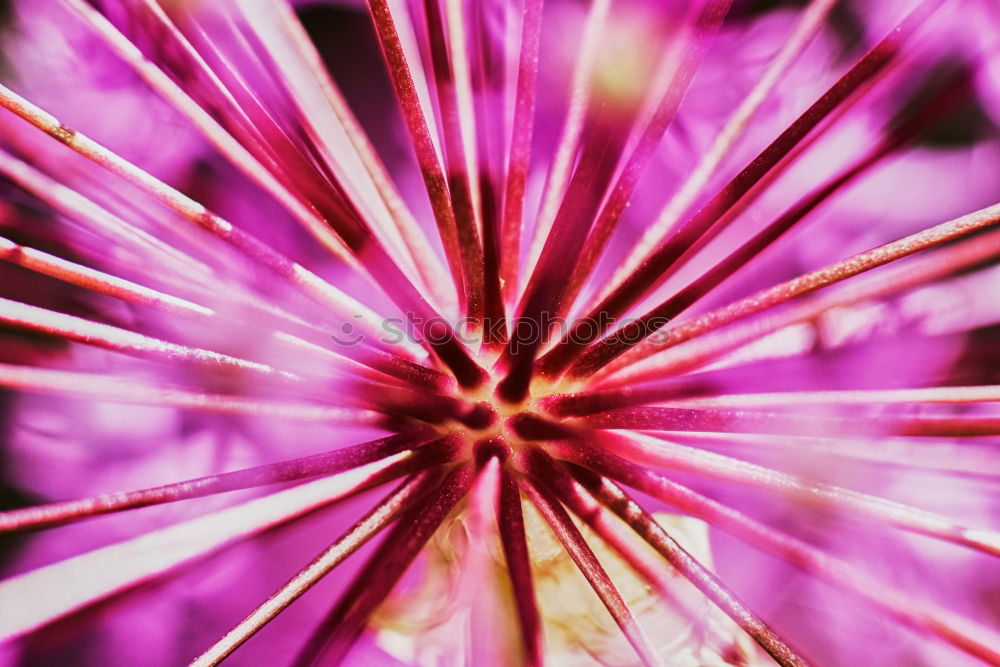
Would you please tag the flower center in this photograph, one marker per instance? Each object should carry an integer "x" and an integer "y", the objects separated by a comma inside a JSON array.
[{"x": 490, "y": 425}]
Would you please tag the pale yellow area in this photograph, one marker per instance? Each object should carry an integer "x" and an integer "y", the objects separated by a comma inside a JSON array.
[{"x": 425, "y": 623}]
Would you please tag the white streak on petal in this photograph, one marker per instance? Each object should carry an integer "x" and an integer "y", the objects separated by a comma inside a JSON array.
[{"x": 35, "y": 598}]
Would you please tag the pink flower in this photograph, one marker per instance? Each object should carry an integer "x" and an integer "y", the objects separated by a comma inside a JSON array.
[{"x": 631, "y": 332}]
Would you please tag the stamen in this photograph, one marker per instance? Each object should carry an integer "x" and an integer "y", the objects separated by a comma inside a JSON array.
[
  {"x": 77, "y": 207},
  {"x": 937, "y": 458},
  {"x": 951, "y": 395},
  {"x": 224, "y": 142},
  {"x": 545, "y": 290},
  {"x": 952, "y": 93},
  {"x": 919, "y": 615},
  {"x": 710, "y": 465},
  {"x": 82, "y": 276},
  {"x": 370, "y": 525},
  {"x": 567, "y": 532},
  {"x": 933, "y": 266},
  {"x": 427, "y": 159},
  {"x": 112, "y": 338},
  {"x": 490, "y": 144},
  {"x": 450, "y": 351},
  {"x": 785, "y": 380},
  {"x": 120, "y": 390},
  {"x": 515, "y": 549},
  {"x": 178, "y": 269},
  {"x": 657, "y": 266},
  {"x": 684, "y": 66},
  {"x": 410, "y": 233},
  {"x": 338, "y": 631},
  {"x": 779, "y": 423},
  {"x": 347, "y": 357},
  {"x": 520, "y": 146},
  {"x": 54, "y": 591},
  {"x": 326, "y": 463},
  {"x": 485, "y": 604},
  {"x": 459, "y": 183},
  {"x": 256, "y": 250},
  {"x": 809, "y": 23},
  {"x": 579, "y": 99},
  {"x": 159, "y": 261},
  {"x": 606, "y": 494}
]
